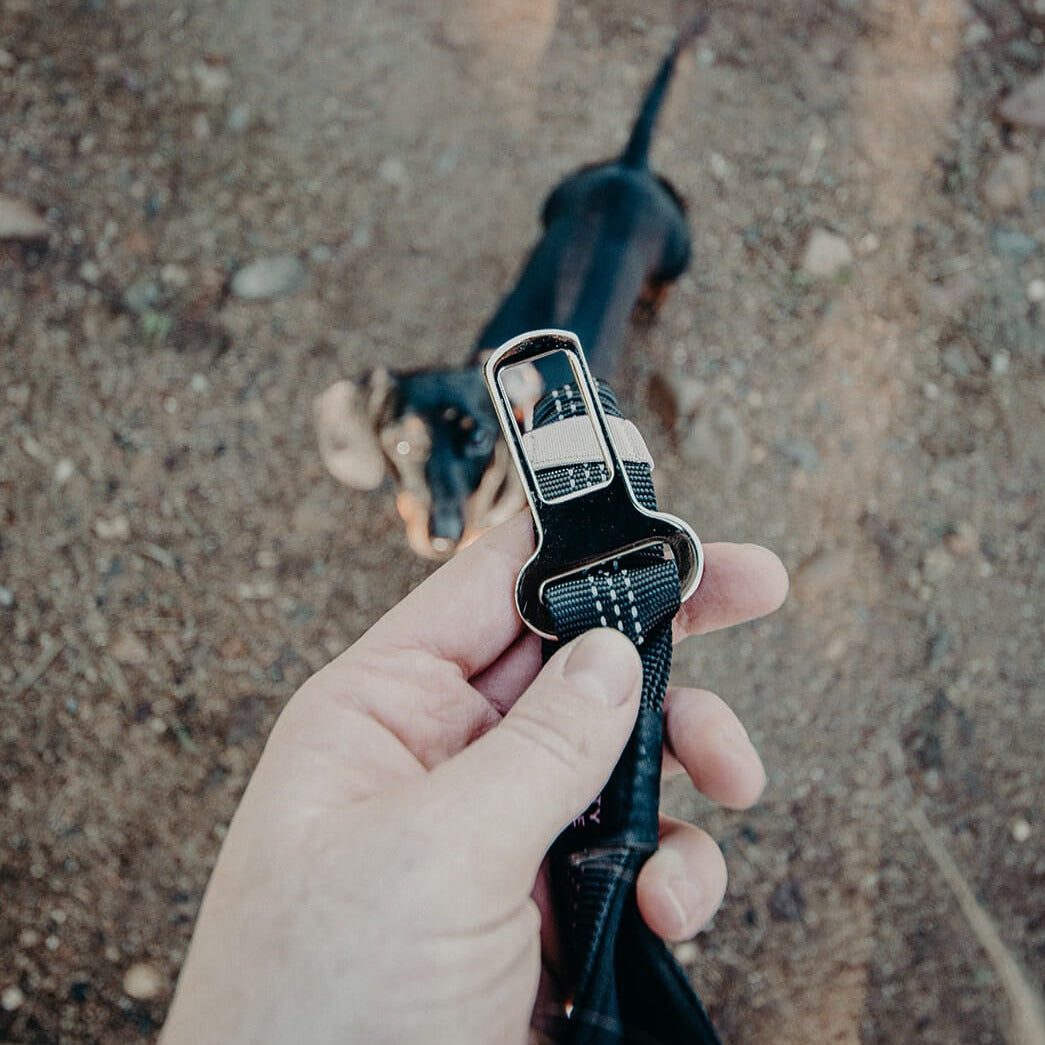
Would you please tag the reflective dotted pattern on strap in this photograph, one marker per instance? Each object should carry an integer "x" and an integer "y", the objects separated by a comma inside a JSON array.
[{"x": 628, "y": 987}]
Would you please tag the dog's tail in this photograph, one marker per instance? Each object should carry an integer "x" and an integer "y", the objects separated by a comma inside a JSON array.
[{"x": 636, "y": 152}]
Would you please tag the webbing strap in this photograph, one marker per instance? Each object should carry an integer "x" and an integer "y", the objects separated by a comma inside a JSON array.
[{"x": 628, "y": 988}]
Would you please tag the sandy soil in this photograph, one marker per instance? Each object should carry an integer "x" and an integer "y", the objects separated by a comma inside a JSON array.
[{"x": 174, "y": 561}]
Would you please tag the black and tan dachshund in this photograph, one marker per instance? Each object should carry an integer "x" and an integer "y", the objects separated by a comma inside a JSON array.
[{"x": 615, "y": 237}]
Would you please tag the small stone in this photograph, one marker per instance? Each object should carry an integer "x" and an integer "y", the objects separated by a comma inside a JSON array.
[
  {"x": 827, "y": 255},
  {"x": 7, "y": 60},
  {"x": 955, "y": 361},
  {"x": 174, "y": 276},
  {"x": 964, "y": 541},
  {"x": 1010, "y": 243},
  {"x": 7, "y": 598},
  {"x": 1008, "y": 183},
  {"x": 90, "y": 272},
  {"x": 19, "y": 221},
  {"x": 801, "y": 453},
  {"x": 142, "y": 982},
  {"x": 675, "y": 397},
  {"x": 269, "y": 278},
  {"x": 64, "y": 470},
  {"x": 1036, "y": 291},
  {"x": 118, "y": 528},
  {"x": 787, "y": 904},
  {"x": 720, "y": 168},
  {"x": 12, "y": 998},
  {"x": 238, "y": 119},
  {"x": 213, "y": 79},
  {"x": 1020, "y": 829},
  {"x": 127, "y": 648},
  {"x": 717, "y": 441},
  {"x": 826, "y": 574},
  {"x": 392, "y": 171},
  {"x": 199, "y": 383},
  {"x": 28, "y": 938},
  {"x": 142, "y": 295},
  {"x": 1025, "y": 107},
  {"x": 1000, "y": 363},
  {"x": 936, "y": 565}
]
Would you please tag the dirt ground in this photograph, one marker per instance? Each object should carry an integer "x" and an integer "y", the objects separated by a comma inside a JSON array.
[{"x": 174, "y": 561}]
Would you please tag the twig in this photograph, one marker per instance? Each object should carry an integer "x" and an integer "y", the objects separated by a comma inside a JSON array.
[
  {"x": 1028, "y": 1021},
  {"x": 37, "y": 671}
]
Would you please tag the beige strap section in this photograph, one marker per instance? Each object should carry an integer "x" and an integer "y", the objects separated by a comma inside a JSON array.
[{"x": 573, "y": 441}]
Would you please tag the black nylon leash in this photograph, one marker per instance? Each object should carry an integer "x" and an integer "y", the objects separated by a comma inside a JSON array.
[{"x": 628, "y": 988}]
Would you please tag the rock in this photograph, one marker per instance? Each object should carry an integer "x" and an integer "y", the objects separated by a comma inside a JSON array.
[
  {"x": 7, "y": 598},
  {"x": 1008, "y": 183},
  {"x": 956, "y": 362},
  {"x": 827, "y": 255},
  {"x": 827, "y": 573},
  {"x": 64, "y": 470},
  {"x": 118, "y": 528},
  {"x": 1010, "y": 243},
  {"x": 787, "y": 904},
  {"x": 12, "y": 999},
  {"x": 19, "y": 221},
  {"x": 142, "y": 982},
  {"x": 717, "y": 441},
  {"x": 238, "y": 119},
  {"x": 269, "y": 278},
  {"x": 213, "y": 79},
  {"x": 142, "y": 295},
  {"x": 801, "y": 453},
  {"x": 1021, "y": 830},
  {"x": 1036, "y": 291},
  {"x": 675, "y": 397},
  {"x": 1025, "y": 107},
  {"x": 127, "y": 648}
]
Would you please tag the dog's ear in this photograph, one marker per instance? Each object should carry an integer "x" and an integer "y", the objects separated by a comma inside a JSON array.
[
  {"x": 348, "y": 415},
  {"x": 523, "y": 385}
]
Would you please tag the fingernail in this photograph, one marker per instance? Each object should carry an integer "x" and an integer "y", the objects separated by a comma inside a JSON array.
[
  {"x": 606, "y": 665},
  {"x": 686, "y": 896}
]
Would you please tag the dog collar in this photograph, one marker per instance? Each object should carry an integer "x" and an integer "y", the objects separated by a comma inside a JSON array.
[{"x": 605, "y": 558}]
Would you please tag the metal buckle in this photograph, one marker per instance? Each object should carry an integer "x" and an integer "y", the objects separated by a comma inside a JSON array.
[{"x": 590, "y": 527}]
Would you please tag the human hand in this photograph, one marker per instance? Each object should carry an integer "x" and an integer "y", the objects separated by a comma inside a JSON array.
[{"x": 382, "y": 879}]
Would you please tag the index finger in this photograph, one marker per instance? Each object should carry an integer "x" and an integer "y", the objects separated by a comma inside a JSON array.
[{"x": 465, "y": 612}]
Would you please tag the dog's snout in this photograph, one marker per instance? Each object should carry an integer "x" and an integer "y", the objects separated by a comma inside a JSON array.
[{"x": 446, "y": 524}]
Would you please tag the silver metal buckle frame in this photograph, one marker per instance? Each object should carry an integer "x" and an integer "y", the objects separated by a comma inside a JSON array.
[{"x": 589, "y": 527}]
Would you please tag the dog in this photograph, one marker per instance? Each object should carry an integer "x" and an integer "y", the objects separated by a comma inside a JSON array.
[{"x": 615, "y": 238}]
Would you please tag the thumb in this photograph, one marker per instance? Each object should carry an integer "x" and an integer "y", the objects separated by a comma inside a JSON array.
[{"x": 527, "y": 778}]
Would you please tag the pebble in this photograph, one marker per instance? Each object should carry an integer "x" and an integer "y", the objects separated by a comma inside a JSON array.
[
  {"x": 827, "y": 255},
  {"x": 20, "y": 221},
  {"x": 118, "y": 528},
  {"x": 718, "y": 441},
  {"x": 12, "y": 999},
  {"x": 127, "y": 648},
  {"x": 90, "y": 272},
  {"x": 675, "y": 397},
  {"x": 142, "y": 982},
  {"x": 213, "y": 79},
  {"x": 64, "y": 470},
  {"x": 827, "y": 572},
  {"x": 787, "y": 904},
  {"x": 176, "y": 276},
  {"x": 392, "y": 171},
  {"x": 1021, "y": 830},
  {"x": 1010, "y": 243},
  {"x": 936, "y": 565},
  {"x": 1008, "y": 183},
  {"x": 1025, "y": 107},
  {"x": 801, "y": 453},
  {"x": 269, "y": 278},
  {"x": 142, "y": 295},
  {"x": 964, "y": 541},
  {"x": 238, "y": 119},
  {"x": 1036, "y": 291},
  {"x": 7, "y": 60}
]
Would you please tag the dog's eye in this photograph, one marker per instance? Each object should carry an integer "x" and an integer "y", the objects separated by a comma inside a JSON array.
[
  {"x": 467, "y": 424},
  {"x": 480, "y": 440},
  {"x": 451, "y": 414}
]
